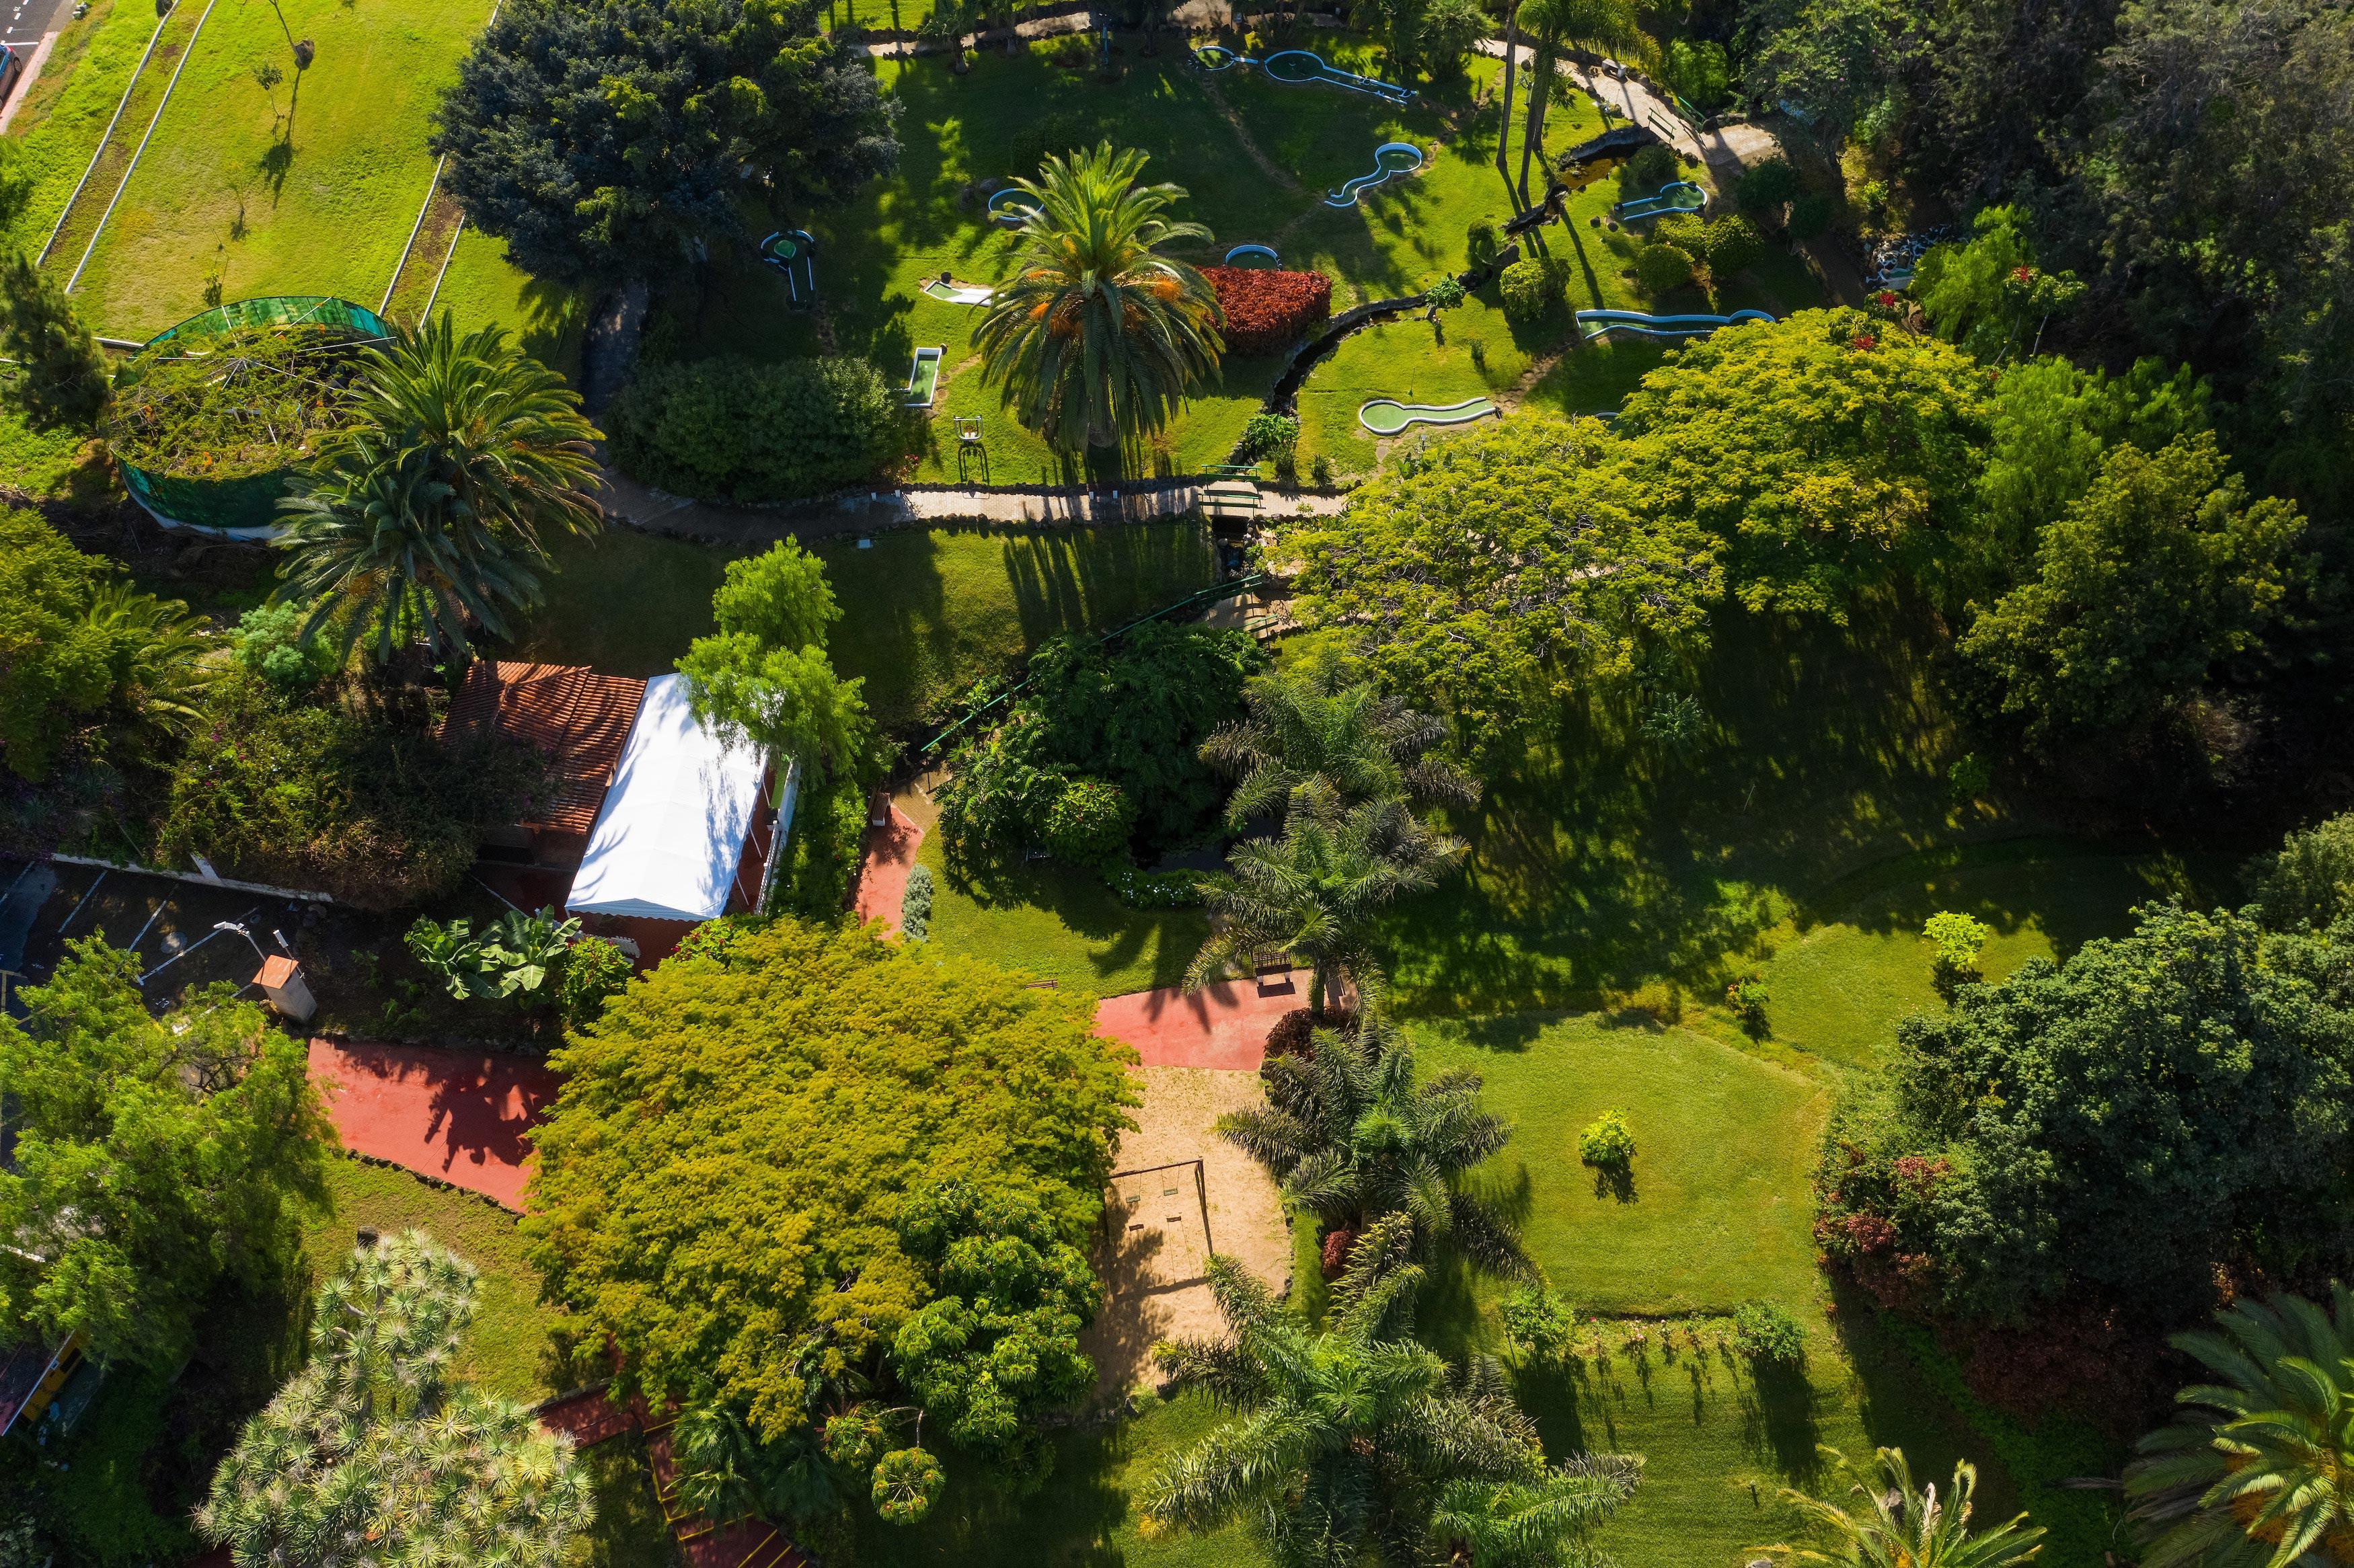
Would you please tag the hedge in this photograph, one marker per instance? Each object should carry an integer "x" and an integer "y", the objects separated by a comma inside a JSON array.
[
  {"x": 1266, "y": 312},
  {"x": 729, "y": 429}
]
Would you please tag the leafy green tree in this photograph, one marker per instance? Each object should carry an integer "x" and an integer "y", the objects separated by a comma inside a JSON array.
[
  {"x": 2116, "y": 1129},
  {"x": 425, "y": 515},
  {"x": 2165, "y": 573},
  {"x": 269, "y": 642},
  {"x": 735, "y": 429},
  {"x": 155, "y": 1158},
  {"x": 1350, "y": 1136},
  {"x": 2257, "y": 1467},
  {"x": 1512, "y": 564},
  {"x": 1662, "y": 269},
  {"x": 609, "y": 140},
  {"x": 722, "y": 1179},
  {"x": 1987, "y": 293},
  {"x": 998, "y": 1344},
  {"x": 1313, "y": 729},
  {"x": 1097, "y": 338},
  {"x": 374, "y": 1441},
  {"x": 2310, "y": 882},
  {"x": 1958, "y": 940},
  {"x": 62, "y": 382},
  {"x": 1838, "y": 454},
  {"x": 764, "y": 679},
  {"x": 1842, "y": 64},
  {"x": 1902, "y": 1525},
  {"x": 1317, "y": 892},
  {"x": 1356, "y": 1443}
]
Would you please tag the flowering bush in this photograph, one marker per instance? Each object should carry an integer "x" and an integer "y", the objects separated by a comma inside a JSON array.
[
  {"x": 1268, "y": 311},
  {"x": 1538, "y": 1323},
  {"x": 1154, "y": 889}
]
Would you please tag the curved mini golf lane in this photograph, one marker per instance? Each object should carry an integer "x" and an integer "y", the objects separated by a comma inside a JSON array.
[{"x": 1387, "y": 416}]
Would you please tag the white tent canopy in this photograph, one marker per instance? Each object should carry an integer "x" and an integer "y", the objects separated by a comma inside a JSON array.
[{"x": 671, "y": 833}]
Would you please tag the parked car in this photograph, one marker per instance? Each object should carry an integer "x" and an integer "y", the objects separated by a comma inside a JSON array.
[{"x": 11, "y": 67}]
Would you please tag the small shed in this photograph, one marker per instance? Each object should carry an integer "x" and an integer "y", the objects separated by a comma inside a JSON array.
[{"x": 684, "y": 831}]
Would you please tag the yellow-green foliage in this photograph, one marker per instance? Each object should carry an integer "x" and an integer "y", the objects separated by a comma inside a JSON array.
[{"x": 721, "y": 1182}]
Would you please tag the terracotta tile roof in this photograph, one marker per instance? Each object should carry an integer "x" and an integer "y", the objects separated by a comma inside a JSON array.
[{"x": 578, "y": 716}]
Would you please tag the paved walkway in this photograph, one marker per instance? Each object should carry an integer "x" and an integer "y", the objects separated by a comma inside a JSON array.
[
  {"x": 1222, "y": 1026},
  {"x": 882, "y": 875},
  {"x": 462, "y": 1117}
]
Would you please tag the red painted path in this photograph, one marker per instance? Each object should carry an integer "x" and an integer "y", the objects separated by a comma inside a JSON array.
[
  {"x": 1220, "y": 1026},
  {"x": 882, "y": 875},
  {"x": 460, "y": 1115}
]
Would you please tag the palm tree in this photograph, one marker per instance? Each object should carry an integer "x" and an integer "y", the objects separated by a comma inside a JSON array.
[
  {"x": 1553, "y": 25},
  {"x": 1311, "y": 737},
  {"x": 1098, "y": 338},
  {"x": 429, "y": 512},
  {"x": 2258, "y": 1467},
  {"x": 1358, "y": 1439},
  {"x": 1315, "y": 893},
  {"x": 1511, "y": 57},
  {"x": 1350, "y": 1137},
  {"x": 1902, "y": 1526},
  {"x": 159, "y": 652}
]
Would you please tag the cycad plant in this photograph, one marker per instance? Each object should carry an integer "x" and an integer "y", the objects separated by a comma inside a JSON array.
[
  {"x": 2257, "y": 1468},
  {"x": 159, "y": 652},
  {"x": 1902, "y": 1525},
  {"x": 1316, "y": 892},
  {"x": 374, "y": 1454},
  {"x": 1313, "y": 728},
  {"x": 1098, "y": 338},
  {"x": 1358, "y": 1444},
  {"x": 1351, "y": 1136},
  {"x": 429, "y": 513}
]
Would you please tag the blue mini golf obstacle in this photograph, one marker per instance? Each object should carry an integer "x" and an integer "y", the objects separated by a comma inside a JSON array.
[
  {"x": 1607, "y": 322},
  {"x": 792, "y": 253},
  {"x": 1389, "y": 158},
  {"x": 1678, "y": 197},
  {"x": 1253, "y": 253},
  {"x": 1302, "y": 68},
  {"x": 1011, "y": 206}
]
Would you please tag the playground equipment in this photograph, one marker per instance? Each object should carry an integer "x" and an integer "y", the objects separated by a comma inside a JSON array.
[
  {"x": 949, "y": 292},
  {"x": 1389, "y": 158},
  {"x": 923, "y": 377},
  {"x": 1676, "y": 196},
  {"x": 792, "y": 253},
  {"x": 1387, "y": 416},
  {"x": 970, "y": 447},
  {"x": 1299, "y": 67},
  {"x": 1011, "y": 206},
  {"x": 1607, "y": 322},
  {"x": 1242, "y": 253}
]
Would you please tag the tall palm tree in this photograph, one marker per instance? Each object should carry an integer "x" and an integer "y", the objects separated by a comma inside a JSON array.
[
  {"x": 1098, "y": 338},
  {"x": 1316, "y": 892},
  {"x": 1359, "y": 1440},
  {"x": 1905, "y": 1526},
  {"x": 2258, "y": 1467},
  {"x": 430, "y": 510},
  {"x": 1511, "y": 58},
  {"x": 1312, "y": 734},
  {"x": 1350, "y": 1137},
  {"x": 1553, "y": 25}
]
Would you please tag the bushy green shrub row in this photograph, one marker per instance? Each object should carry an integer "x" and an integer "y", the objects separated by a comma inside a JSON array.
[
  {"x": 823, "y": 849},
  {"x": 730, "y": 429}
]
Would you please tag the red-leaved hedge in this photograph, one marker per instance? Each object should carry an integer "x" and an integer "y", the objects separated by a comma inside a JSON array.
[{"x": 1268, "y": 311}]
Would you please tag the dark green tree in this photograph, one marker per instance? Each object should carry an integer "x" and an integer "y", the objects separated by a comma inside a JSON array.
[
  {"x": 61, "y": 381},
  {"x": 2309, "y": 883},
  {"x": 609, "y": 140}
]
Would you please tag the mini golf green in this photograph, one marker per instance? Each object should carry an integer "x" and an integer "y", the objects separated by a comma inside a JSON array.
[{"x": 1387, "y": 416}]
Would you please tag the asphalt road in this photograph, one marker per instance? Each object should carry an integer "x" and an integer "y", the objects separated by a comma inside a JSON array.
[{"x": 22, "y": 22}]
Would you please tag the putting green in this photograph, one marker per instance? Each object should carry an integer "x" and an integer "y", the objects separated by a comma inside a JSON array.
[{"x": 1387, "y": 416}]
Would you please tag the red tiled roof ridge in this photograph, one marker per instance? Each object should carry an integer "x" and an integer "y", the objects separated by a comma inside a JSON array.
[{"x": 581, "y": 717}]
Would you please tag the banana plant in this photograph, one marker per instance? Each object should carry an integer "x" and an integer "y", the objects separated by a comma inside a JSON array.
[{"x": 515, "y": 956}]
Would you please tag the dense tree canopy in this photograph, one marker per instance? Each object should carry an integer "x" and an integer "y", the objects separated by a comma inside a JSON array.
[
  {"x": 154, "y": 1159},
  {"x": 606, "y": 140},
  {"x": 1505, "y": 565},
  {"x": 2127, "y": 1123},
  {"x": 729, "y": 1182},
  {"x": 765, "y": 680}
]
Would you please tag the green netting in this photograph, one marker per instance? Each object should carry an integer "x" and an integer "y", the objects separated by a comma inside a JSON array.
[{"x": 250, "y": 501}]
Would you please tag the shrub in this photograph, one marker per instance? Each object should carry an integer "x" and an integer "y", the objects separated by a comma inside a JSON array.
[
  {"x": 1968, "y": 778},
  {"x": 1480, "y": 242},
  {"x": 732, "y": 430},
  {"x": 2311, "y": 881},
  {"x": 915, "y": 905},
  {"x": 1269, "y": 435},
  {"x": 1070, "y": 51},
  {"x": 1527, "y": 290},
  {"x": 1537, "y": 1323},
  {"x": 829, "y": 830},
  {"x": 593, "y": 969},
  {"x": 1662, "y": 267},
  {"x": 514, "y": 958},
  {"x": 1767, "y": 189},
  {"x": 1766, "y": 1333},
  {"x": 1959, "y": 940},
  {"x": 269, "y": 644},
  {"x": 1608, "y": 1141},
  {"x": 1747, "y": 997},
  {"x": 1648, "y": 169},
  {"x": 1446, "y": 293},
  {"x": 1810, "y": 214},
  {"x": 1733, "y": 245},
  {"x": 1089, "y": 823},
  {"x": 1684, "y": 230},
  {"x": 1295, "y": 1031},
  {"x": 1266, "y": 312}
]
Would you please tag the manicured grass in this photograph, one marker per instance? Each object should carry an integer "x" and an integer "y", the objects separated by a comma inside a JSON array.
[
  {"x": 925, "y": 613},
  {"x": 47, "y": 463},
  {"x": 1061, "y": 924},
  {"x": 63, "y": 120},
  {"x": 482, "y": 288},
  {"x": 311, "y": 194}
]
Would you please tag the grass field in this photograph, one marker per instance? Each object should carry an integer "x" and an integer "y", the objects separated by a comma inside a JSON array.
[{"x": 66, "y": 113}]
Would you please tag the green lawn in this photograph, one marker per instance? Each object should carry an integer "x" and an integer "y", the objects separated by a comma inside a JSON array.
[
  {"x": 61, "y": 124},
  {"x": 307, "y": 188},
  {"x": 482, "y": 288}
]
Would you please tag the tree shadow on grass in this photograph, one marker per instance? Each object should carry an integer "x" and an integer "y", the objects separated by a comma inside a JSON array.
[{"x": 1779, "y": 1419}]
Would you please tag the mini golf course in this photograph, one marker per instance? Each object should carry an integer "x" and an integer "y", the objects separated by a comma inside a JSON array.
[
  {"x": 1011, "y": 206},
  {"x": 949, "y": 292},
  {"x": 1389, "y": 158},
  {"x": 1639, "y": 321},
  {"x": 1678, "y": 196},
  {"x": 1387, "y": 416},
  {"x": 793, "y": 253},
  {"x": 1300, "y": 67}
]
